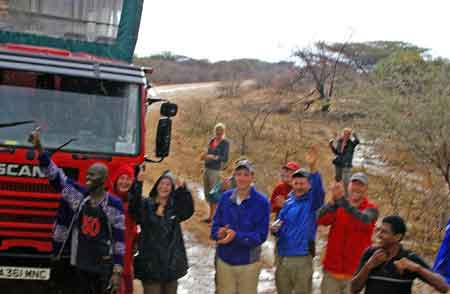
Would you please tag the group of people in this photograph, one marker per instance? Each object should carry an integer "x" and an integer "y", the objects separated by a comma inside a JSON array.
[
  {"x": 240, "y": 225},
  {"x": 100, "y": 223}
]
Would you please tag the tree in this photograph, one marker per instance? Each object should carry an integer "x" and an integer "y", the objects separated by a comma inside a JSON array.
[
  {"x": 410, "y": 102},
  {"x": 322, "y": 66},
  {"x": 363, "y": 56}
]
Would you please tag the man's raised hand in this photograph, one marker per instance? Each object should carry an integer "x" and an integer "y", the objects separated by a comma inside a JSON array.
[
  {"x": 312, "y": 156},
  {"x": 337, "y": 191},
  {"x": 35, "y": 139}
]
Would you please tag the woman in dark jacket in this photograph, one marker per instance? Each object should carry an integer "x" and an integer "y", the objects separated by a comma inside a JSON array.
[{"x": 162, "y": 256}]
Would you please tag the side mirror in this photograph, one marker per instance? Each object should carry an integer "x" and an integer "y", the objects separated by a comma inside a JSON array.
[
  {"x": 169, "y": 109},
  {"x": 163, "y": 137}
]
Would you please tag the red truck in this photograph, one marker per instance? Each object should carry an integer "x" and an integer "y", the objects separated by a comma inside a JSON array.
[{"x": 65, "y": 66}]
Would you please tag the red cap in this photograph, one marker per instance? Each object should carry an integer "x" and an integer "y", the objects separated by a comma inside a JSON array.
[{"x": 292, "y": 165}]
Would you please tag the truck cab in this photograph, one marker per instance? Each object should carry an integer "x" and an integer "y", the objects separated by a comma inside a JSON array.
[{"x": 89, "y": 111}]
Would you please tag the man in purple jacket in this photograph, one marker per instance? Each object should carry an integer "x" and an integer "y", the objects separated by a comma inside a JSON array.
[{"x": 92, "y": 219}]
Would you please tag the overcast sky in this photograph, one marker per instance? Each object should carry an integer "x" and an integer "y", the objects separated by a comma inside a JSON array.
[{"x": 269, "y": 30}]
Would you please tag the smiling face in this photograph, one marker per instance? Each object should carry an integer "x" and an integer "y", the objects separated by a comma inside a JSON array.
[
  {"x": 164, "y": 188},
  {"x": 385, "y": 236},
  {"x": 300, "y": 185},
  {"x": 357, "y": 191},
  {"x": 243, "y": 177},
  {"x": 124, "y": 183},
  {"x": 96, "y": 177}
]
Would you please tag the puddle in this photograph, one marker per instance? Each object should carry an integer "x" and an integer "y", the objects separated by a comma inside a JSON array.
[{"x": 200, "y": 277}]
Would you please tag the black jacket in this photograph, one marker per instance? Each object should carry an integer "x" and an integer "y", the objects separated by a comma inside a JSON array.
[
  {"x": 162, "y": 255},
  {"x": 344, "y": 158}
]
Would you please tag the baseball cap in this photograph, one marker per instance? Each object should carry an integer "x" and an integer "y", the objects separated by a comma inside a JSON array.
[
  {"x": 360, "y": 177},
  {"x": 244, "y": 163},
  {"x": 301, "y": 173},
  {"x": 292, "y": 165}
]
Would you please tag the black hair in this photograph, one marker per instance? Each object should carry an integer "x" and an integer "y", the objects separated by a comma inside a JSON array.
[
  {"x": 397, "y": 223},
  {"x": 154, "y": 191}
]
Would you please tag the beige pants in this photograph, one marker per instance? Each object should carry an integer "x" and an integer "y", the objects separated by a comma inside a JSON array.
[
  {"x": 161, "y": 288},
  {"x": 210, "y": 178},
  {"x": 331, "y": 285},
  {"x": 294, "y": 274},
  {"x": 237, "y": 279}
]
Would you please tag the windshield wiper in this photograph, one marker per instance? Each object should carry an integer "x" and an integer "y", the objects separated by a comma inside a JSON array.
[
  {"x": 62, "y": 146},
  {"x": 8, "y": 149},
  {"x": 31, "y": 152},
  {"x": 17, "y": 123}
]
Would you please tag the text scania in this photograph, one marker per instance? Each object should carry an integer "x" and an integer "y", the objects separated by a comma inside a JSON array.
[{"x": 21, "y": 170}]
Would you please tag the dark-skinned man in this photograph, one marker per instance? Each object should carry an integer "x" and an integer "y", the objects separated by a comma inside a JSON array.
[
  {"x": 93, "y": 218},
  {"x": 388, "y": 268}
]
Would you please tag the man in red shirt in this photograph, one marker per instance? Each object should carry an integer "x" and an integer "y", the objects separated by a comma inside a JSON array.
[
  {"x": 352, "y": 220},
  {"x": 282, "y": 189}
]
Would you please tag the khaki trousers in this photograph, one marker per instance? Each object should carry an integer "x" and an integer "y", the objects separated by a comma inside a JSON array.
[
  {"x": 294, "y": 274},
  {"x": 331, "y": 285},
  {"x": 237, "y": 279}
]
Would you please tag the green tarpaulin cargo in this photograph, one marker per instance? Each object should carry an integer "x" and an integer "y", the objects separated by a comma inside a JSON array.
[{"x": 104, "y": 28}]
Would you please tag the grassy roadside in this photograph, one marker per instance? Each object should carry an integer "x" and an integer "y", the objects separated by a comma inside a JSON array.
[{"x": 284, "y": 136}]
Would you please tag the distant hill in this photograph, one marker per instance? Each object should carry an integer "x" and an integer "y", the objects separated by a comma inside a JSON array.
[{"x": 173, "y": 69}]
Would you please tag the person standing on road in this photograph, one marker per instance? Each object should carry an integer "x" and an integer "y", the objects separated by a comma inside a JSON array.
[
  {"x": 94, "y": 221},
  {"x": 162, "y": 258},
  {"x": 344, "y": 150},
  {"x": 352, "y": 221},
  {"x": 283, "y": 188},
  {"x": 240, "y": 226},
  {"x": 215, "y": 159},
  {"x": 388, "y": 268},
  {"x": 296, "y": 230}
]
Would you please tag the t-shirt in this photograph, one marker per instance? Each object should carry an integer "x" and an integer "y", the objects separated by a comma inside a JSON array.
[
  {"x": 386, "y": 279},
  {"x": 94, "y": 240}
]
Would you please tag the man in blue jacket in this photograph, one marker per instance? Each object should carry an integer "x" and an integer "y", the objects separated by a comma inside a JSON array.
[
  {"x": 296, "y": 230},
  {"x": 240, "y": 226},
  {"x": 442, "y": 262}
]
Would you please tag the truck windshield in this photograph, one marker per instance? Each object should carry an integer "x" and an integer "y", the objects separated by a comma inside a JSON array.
[{"x": 102, "y": 115}]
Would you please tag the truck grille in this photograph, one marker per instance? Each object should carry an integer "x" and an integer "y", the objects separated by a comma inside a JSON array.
[
  {"x": 26, "y": 187},
  {"x": 27, "y": 213}
]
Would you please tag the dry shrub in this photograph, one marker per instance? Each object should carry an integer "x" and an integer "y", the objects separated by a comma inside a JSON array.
[{"x": 199, "y": 117}]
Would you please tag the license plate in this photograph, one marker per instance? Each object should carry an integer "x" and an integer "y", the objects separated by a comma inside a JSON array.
[{"x": 24, "y": 273}]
